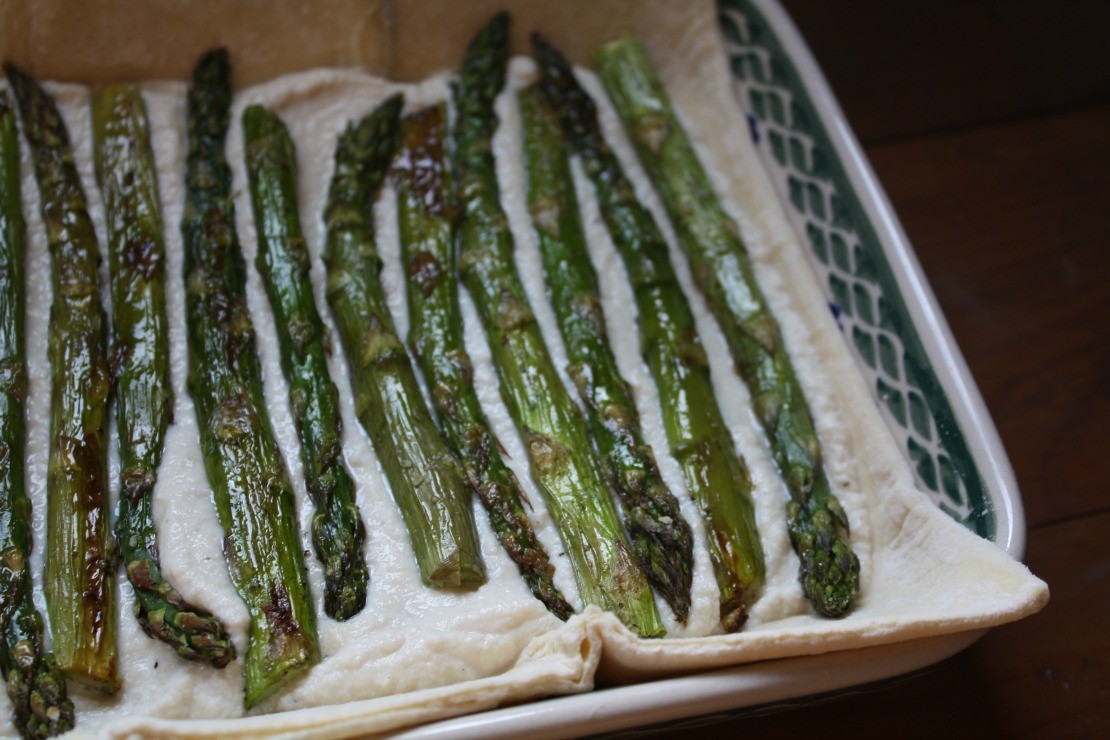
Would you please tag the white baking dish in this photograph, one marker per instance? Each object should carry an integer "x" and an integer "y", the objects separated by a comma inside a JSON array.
[{"x": 861, "y": 260}]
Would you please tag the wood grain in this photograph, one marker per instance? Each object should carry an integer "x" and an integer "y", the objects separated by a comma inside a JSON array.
[{"x": 903, "y": 68}]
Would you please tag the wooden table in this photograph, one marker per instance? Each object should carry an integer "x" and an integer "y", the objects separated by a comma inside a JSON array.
[{"x": 988, "y": 124}]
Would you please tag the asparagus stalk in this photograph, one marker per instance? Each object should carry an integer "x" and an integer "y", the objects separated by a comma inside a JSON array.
[
  {"x": 426, "y": 479},
  {"x": 554, "y": 431},
  {"x": 660, "y": 537},
  {"x": 817, "y": 523},
  {"x": 36, "y": 687},
  {"x": 337, "y": 530},
  {"x": 436, "y": 335},
  {"x": 140, "y": 366},
  {"x": 717, "y": 478},
  {"x": 80, "y": 597},
  {"x": 252, "y": 492}
]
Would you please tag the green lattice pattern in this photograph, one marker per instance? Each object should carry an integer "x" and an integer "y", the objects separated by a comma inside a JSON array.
[{"x": 807, "y": 171}]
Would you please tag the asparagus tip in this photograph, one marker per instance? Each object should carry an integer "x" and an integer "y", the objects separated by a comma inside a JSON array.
[
  {"x": 545, "y": 51},
  {"x": 829, "y": 571},
  {"x": 213, "y": 65},
  {"x": 13, "y": 72},
  {"x": 193, "y": 633},
  {"x": 496, "y": 31},
  {"x": 338, "y": 539},
  {"x": 356, "y": 141},
  {"x": 38, "y": 694},
  {"x": 483, "y": 67}
]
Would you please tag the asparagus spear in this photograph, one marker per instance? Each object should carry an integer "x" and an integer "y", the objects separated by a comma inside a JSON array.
[
  {"x": 660, "y": 537},
  {"x": 36, "y": 687},
  {"x": 80, "y": 597},
  {"x": 428, "y": 249},
  {"x": 717, "y": 478},
  {"x": 426, "y": 479},
  {"x": 337, "y": 529},
  {"x": 252, "y": 492},
  {"x": 140, "y": 366},
  {"x": 554, "y": 431},
  {"x": 818, "y": 526}
]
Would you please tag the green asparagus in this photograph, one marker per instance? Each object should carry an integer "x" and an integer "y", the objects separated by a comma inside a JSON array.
[
  {"x": 717, "y": 478},
  {"x": 80, "y": 593},
  {"x": 426, "y": 479},
  {"x": 554, "y": 431},
  {"x": 660, "y": 537},
  {"x": 721, "y": 266},
  {"x": 337, "y": 530},
  {"x": 436, "y": 335},
  {"x": 252, "y": 492},
  {"x": 140, "y": 367},
  {"x": 36, "y": 687}
]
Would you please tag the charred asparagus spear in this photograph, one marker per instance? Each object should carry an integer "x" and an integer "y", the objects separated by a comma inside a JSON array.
[
  {"x": 660, "y": 537},
  {"x": 426, "y": 479},
  {"x": 718, "y": 480},
  {"x": 436, "y": 335},
  {"x": 80, "y": 597},
  {"x": 818, "y": 526},
  {"x": 554, "y": 431},
  {"x": 253, "y": 495},
  {"x": 36, "y": 687},
  {"x": 283, "y": 262},
  {"x": 141, "y": 368}
]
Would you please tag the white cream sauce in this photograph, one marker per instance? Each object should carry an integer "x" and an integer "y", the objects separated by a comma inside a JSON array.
[{"x": 408, "y": 636}]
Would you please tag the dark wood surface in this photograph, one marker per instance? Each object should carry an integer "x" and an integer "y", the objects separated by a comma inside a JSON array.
[{"x": 988, "y": 123}]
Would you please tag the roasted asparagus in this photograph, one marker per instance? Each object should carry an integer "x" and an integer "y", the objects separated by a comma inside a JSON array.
[
  {"x": 36, "y": 687},
  {"x": 79, "y": 581},
  {"x": 660, "y": 537},
  {"x": 140, "y": 367},
  {"x": 337, "y": 530},
  {"x": 252, "y": 492},
  {"x": 436, "y": 335},
  {"x": 716, "y": 476},
  {"x": 554, "y": 431},
  {"x": 722, "y": 268},
  {"x": 426, "y": 479}
]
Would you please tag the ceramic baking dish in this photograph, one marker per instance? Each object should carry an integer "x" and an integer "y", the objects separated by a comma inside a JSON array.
[{"x": 855, "y": 254}]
